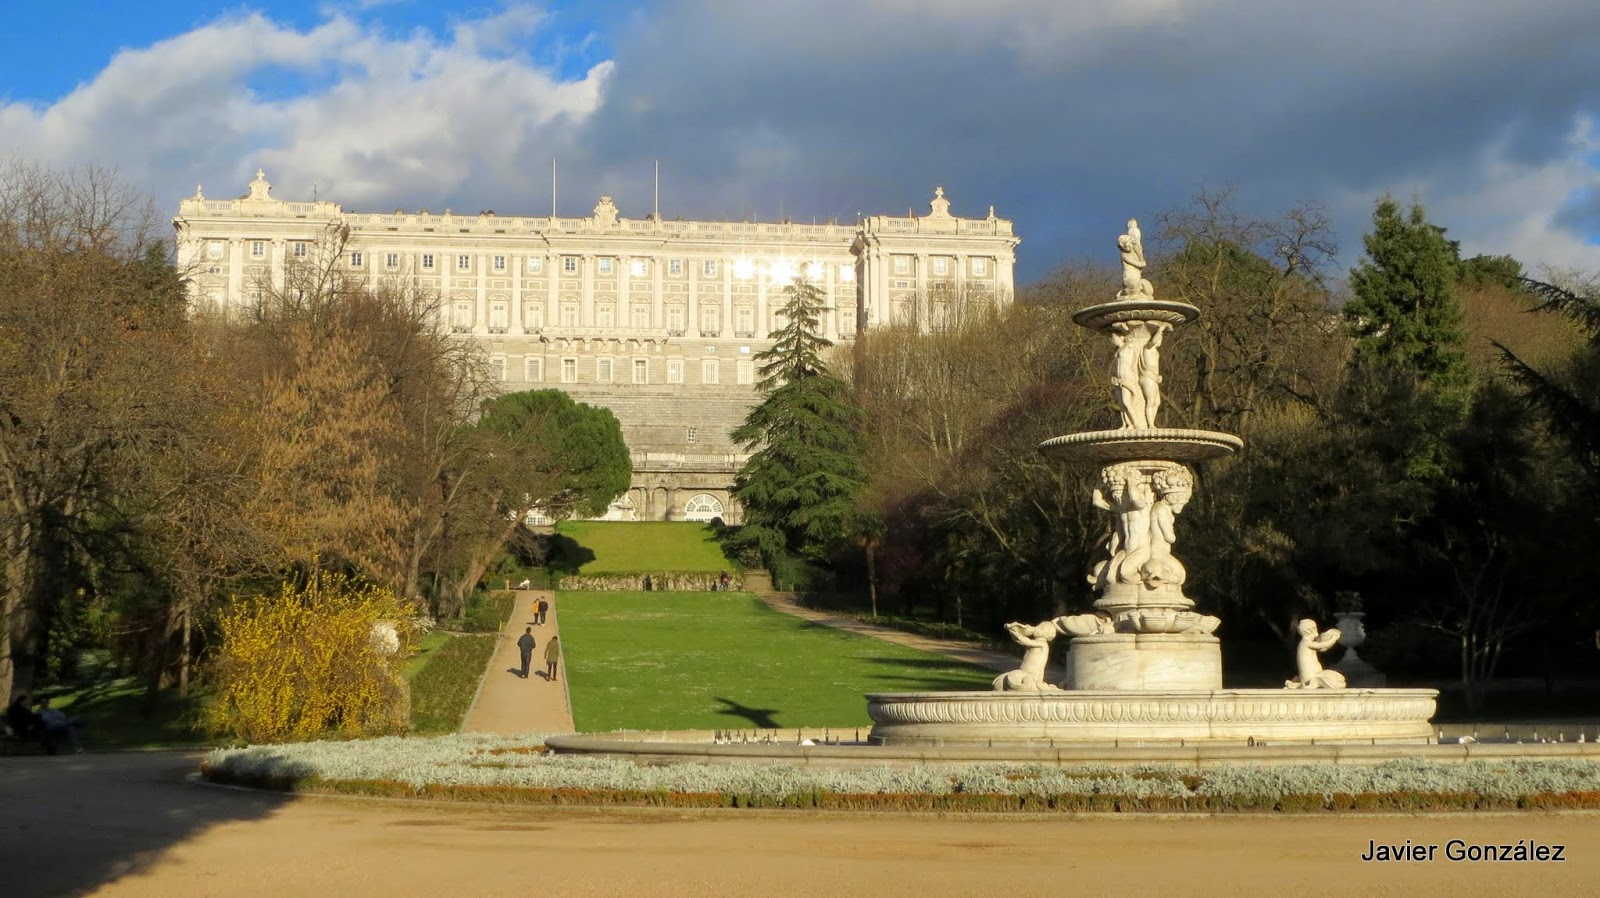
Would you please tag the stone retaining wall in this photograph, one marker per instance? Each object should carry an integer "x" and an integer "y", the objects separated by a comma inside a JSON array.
[{"x": 659, "y": 581}]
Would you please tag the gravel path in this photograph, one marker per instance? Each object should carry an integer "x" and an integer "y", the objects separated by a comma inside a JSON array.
[{"x": 507, "y": 703}]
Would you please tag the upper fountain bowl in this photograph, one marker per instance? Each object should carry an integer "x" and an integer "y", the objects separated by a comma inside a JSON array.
[
  {"x": 1130, "y": 444},
  {"x": 1106, "y": 314}
]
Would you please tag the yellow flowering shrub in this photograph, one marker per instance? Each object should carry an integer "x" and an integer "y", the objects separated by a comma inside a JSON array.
[{"x": 312, "y": 660}]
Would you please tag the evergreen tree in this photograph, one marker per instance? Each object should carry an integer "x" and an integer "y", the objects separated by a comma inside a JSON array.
[
  {"x": 1403, "y": 309},
  {"x": 799, "y": 485}
]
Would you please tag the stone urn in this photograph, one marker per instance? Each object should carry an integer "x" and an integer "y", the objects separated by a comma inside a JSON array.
[{"x": 1352, "y": 635}]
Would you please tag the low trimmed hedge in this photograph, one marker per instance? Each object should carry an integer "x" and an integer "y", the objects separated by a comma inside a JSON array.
[{"x": 510, "y": 770}]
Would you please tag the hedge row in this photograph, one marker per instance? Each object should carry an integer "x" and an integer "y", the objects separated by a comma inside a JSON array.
[{"x": 1384, "y": 802}]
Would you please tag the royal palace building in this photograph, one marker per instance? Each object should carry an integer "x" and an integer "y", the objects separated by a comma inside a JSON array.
[{"x": 656, "y": 320}]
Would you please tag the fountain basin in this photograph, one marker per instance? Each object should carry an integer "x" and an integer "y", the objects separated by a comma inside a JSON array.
[{"x": 1154, "y": 718}]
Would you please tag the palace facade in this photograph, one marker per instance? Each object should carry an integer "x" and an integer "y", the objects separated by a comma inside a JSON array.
[{"x": 658, "y": 321}]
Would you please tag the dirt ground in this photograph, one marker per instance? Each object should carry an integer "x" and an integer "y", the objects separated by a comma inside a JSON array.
[
  {"x": 133, "y": 825},
  {"x": 321, "y": 847}
]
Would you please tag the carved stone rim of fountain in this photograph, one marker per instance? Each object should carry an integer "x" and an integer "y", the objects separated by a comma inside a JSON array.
[
  {"x": 1157, "y": 444},
  {"x": 1102, "y": 316}
]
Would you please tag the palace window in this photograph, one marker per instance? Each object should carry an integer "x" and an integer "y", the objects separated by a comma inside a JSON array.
[
  {"x": 641, "y": 371},
  {"x": 463, "y": 262},
  {"x": 391, "y": 260},
  {"x": 499, "y": 318},
  {"x": 709, "y": 268},
  {"x": 710, "y": 320},
  {"x": 675, "y": 267},
  {"x": 533, "y": 316},
  {"x": 674, "y": 371},
  {"x": 569, "y": 371},
  {"x": 746, "y": 371},
  {"x": 710, "y": 371},
  {"x": 689, "y": 436},
  {"x": 941, "y": 266},
  {"x": 569, "y": 264},
  {"x": 356, "y": 258},
  {"x": 640, "y": 316},
  {"x": 499, "y": 263},
  {"x": 427, "y": 261},
  {"x": 980, "y": 267},
  {"x": 639, "y": 267},
  {"x": 847, "y": 272},
  {"x": 535, "y": 370},
  {"x": 535, "y": 264},
  {"x": 607, "y": 265},
  {"x": 569, "y": 314},
  {"x": 602, "y": 371},
  {"x": 214, "y": 250},
  {"x": 675, "y": 319},
  {"x": 258, "y": 248},
  {"x": 299, "y": 250},
  {"x": 497, "y": 367},
  {"x": 745, "y": 321},
  {"x": 702, "y": 507},
  {"x": 902, "y": 264}
]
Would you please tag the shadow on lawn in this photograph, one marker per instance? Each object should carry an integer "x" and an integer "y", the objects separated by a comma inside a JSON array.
[
  {"x": 931, "y": 675},
  {"x": 760, "y": 718},
  {"x": 73, "y": 823}
]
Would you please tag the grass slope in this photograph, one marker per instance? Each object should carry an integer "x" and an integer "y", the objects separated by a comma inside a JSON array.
[
  {"x": 723, "y": 660},
  {"x": 645, "y": 546}
]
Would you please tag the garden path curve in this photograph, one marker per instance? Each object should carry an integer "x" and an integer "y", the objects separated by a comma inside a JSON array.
[{"x": 507, "y": 703}]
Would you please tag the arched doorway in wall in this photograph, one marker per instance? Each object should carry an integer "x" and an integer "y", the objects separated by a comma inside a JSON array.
[{"x": 702, "y": 507}]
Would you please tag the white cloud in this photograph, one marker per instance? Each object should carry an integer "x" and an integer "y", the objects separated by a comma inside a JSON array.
[{"x": 377, "y": 119}]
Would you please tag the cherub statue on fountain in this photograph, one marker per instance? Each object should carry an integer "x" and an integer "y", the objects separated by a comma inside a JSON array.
[
  {"x": 1310, "y": 674},
  {"x": 1035, "y": 640}
]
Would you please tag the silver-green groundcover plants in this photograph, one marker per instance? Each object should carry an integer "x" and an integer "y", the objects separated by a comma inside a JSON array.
[{"x": 516, "y": 768}]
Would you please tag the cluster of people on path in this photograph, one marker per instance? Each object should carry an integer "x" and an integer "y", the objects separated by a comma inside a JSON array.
[
  {"x": 526, "y": 643},
  {"x": 38, "y": 721}
]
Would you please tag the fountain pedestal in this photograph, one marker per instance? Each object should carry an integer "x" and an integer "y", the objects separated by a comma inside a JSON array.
[{"x": 1135, "y": 661}]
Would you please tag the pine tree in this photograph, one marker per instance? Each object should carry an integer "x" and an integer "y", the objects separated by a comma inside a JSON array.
[
  {"x": 1403, "y": 309},
  {"x": 799, "y": 485}
]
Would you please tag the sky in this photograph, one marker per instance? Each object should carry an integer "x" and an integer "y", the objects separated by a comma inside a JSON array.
[{"x": 1067, "y": 116}]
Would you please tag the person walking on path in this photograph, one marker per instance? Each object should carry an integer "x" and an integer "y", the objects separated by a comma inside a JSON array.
[
  {"x": 525, "y": 646},
  {"x": 552, "y": 654},
  {"x": 544, "y": 611}
]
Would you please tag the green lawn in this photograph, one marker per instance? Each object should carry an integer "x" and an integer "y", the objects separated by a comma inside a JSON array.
[
  {"x": 610, "y": 547},
  {"x": 723, "y": 660}
]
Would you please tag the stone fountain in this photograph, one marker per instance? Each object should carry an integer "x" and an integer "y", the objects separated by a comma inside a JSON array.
[{"x": 1144, "y": 667}]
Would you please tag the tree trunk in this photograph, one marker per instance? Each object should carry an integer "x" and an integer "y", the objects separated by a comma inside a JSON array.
[
  {"x": 872, "y": 576},
  {"x": 183, "y": 655}
]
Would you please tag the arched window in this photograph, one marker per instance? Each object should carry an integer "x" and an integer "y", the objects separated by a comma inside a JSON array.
[{"x": 702, "y": 507}]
